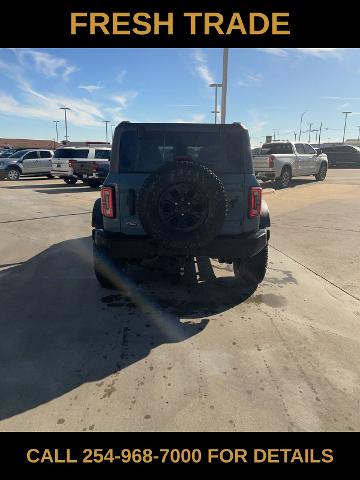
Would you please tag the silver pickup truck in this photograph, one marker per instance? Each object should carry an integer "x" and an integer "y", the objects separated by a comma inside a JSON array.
[{"x": 281, "y": 161}]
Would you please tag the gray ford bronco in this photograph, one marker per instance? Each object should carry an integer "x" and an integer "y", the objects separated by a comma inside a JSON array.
[{"x": 180, "y": 191}]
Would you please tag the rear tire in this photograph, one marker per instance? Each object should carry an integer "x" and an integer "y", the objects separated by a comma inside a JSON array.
[
  {"x": 251, "y": 272},
  {"x": 285, "y": 178},
  {"x": 319, "y": 177},
  {"x": 13, "y": 174},
  {"x": 70, "y": 180},
  {"x": 50, "y": 176}
]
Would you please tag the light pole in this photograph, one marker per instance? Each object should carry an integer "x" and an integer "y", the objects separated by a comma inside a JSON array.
[
  {"x": 346, "y": 114},
  {"x": 359, "y": 135},
  {"x": 301, "y": 119},
  {"x": 216, "y": 86},
  {"x": 57, "y": 132},
  {"x": 66, "y": 130},
  {"x": 106, "y": 129},
  {"x": 310, "y": 125},
  {"x": 112, "y": 132},
  {"x": 295, "y": 134},
  {"x": 224, "y": 84},
  {"x": 320, "y": 130}
]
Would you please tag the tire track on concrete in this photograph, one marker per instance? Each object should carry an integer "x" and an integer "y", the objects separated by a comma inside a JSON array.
[
  {"x": 316, "y": 273},
  {"x": 41, "y": 218}
]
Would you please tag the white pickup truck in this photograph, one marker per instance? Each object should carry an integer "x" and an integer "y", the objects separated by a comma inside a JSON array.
[{"x": 280, "y": 161}]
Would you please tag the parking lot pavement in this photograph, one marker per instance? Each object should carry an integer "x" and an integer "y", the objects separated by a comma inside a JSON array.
[{"x": 161, "y": 356}]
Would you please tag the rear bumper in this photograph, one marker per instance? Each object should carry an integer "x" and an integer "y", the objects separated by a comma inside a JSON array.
[
  {"x": 90, "y": 175},
  {"x": 68, "y": 172},
  {"x": 266, "y": 175},
  {"x": 119, "y": 245}
]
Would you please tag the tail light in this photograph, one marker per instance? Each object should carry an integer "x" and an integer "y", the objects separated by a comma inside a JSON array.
[
  {"x": 93, "y": 166},
  {"x": 72, "y": 163},
  {"x": 271, "y": 161},
  {"x": 108, "y": 202},
  {"x": 255, "y": 202}
]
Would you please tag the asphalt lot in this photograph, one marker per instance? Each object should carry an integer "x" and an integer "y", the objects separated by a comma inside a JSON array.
[{"x": 175, "y": 357}]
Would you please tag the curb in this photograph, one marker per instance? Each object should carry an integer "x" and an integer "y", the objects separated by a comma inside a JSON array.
[{"x": 268, "y": 191}]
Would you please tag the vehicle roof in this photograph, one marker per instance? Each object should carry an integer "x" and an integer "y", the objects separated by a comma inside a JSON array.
[
  {"x": 179, "y": 126},
  {"x": 85, "y": 147},
  {"x": 340, "y": 145}
]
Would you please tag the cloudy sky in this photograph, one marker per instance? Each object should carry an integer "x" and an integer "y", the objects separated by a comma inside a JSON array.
[{"x": 268, "y": 89}]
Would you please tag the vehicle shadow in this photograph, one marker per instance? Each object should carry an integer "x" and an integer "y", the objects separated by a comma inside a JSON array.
[
  {"x": 295, "y": 182},
  {"x": 59, "y": 329},
  {"x": 46, "y": 186},
  {"x": 69, "y": 189}
]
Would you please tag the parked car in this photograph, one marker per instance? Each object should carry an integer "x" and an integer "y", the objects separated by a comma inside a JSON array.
[
  {"x": 10, "y": 151},
  {"x": 65, "y": 159},
  {"x": 342, "y": 155},
  {"x": 281, "y": 161},
  {"x": 26, "y": 162},
  {"x": 93, "y": 171},
  {"x": 180, "y": 191}
]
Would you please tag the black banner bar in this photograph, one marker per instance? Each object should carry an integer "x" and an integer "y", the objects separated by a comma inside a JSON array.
[{"x": 188, "y": 23}]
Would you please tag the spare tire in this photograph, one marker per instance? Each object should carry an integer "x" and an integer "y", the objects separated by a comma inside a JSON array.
[{"x": 182, "y": 206}]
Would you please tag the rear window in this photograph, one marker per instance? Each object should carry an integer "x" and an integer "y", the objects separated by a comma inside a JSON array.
[
  {"x": 276, "y": 148},
  {"x": 103, "y": 154},
  {"x": 71, "y": 153},
  {"x": 222, "y": 153}
]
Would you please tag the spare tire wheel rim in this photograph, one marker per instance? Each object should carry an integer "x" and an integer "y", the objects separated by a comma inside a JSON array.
[{"x": 183, "y": 207}]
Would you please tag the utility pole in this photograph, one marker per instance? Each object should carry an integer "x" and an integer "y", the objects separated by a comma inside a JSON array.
[
  {"x": 346, "y": 115},
  {"x": 224, "y": 84},
  {"x": 310, "y": 125},
  {"x": 66, "y": 129},
  {"x": 112, "y": 132},
  {"x": 57, "y": 132},
  {"x": 301, "y": 119},
  {"x": 358, "y": 135},
  {"x": 216, "y": 86},
  {"x": 320, "y": 129},
  {"x": 294, "y": 136},
  {"x": 106, "y": 128}
]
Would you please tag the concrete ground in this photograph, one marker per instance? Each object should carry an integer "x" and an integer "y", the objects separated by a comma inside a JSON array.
[{"x": 163, "y": 356}]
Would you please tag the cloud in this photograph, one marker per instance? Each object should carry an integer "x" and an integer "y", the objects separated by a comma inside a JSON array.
[
  {"x": 119, "y": 103},
  {"x": 316, "y": 52},
  {"x": 91, "y": 88},
  {"x": 32, "y": 103},
  {"x": 341, "y": 98},
  {"x": 124, "y": 99},
  {"x": 46, "y": 107},
  {"x": 257, "y": 121},
  {"x": 183, "y": 105},
  {"x": 195, "y": 118},
  {"x": 120, "y": 76},
  {"x": 45, "y": 63},
  {"x": 201, "y": 67},
  {"x": 321, "y": 52},
  {"x": 278, "y": 52},
  {"x": 343, "y": 105},
  {"x": 250, "y": 79}
]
